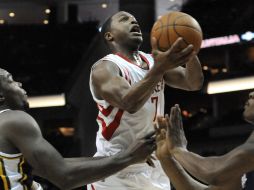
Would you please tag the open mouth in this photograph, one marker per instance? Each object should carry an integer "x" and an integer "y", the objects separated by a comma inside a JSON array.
[{"x": 136, "y": 29}]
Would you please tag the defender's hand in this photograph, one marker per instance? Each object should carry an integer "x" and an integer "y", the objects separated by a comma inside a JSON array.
[
  {"x": 162, "y": 149},
  {"x": 140, "y": 150},
  {"x": 175, "y": 133}
]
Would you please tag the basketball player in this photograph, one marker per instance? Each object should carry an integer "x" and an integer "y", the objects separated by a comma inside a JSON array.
[
  {"x": 21, "y": 142},
  {"x": 128, "y": 87},
  {"x": 221, "y": 172}
]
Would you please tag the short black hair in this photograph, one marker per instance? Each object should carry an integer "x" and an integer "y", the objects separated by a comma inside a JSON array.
[{"x": 106, "y": 27}]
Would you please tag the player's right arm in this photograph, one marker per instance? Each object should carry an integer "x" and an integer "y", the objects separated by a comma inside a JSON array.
[
  {"x": 211, "y": 170},
  {"x": 177, "y": 175},
  {"x": 110, "y": 86},
  {"x": 181, "y": 180},
  {"x": 217, "y": 171},
  {"x": 24, "y": 133}
]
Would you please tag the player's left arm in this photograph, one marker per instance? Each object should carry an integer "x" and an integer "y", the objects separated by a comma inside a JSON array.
[
  {"x": 211, "y": 170},
  {"x": 81, "y": 159},
  {"x": 214, "y": 170},
  {"x": 188, "y": 78}
]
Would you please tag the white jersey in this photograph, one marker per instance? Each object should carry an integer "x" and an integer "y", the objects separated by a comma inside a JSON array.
[
  {"x": 118, "y": 128},
  {"x": 15, "y": 174}
]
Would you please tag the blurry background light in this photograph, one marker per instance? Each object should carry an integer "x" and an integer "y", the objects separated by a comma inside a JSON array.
[{"x": 12, "y": 14}]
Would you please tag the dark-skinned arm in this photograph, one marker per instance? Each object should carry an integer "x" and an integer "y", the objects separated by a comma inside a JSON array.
[
  {"x": 181, "y": 180},
  {"x": 24, "y": 133},
  {"x": 189, "y": 78},
  {"x": 113, "y": 88},
  {"x": 110, "y": 86},
  {"x": 211, "y": 170},
  {"x": 177, "y": 175},
  {"x": 81, "y": 159},
  {"x": 217, "y": 170}
]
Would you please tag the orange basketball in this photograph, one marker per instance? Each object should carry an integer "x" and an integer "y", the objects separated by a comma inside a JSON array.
[{"x": 177, "y": 24}]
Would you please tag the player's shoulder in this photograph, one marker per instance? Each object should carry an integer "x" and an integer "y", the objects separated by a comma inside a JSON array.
[
  {"x": 19, "y": 115},
  {"x": 104, "y": 66},
  {"x": 17, "y": 118},
  {"x": 17, "y": 126},
  {"x": 107, "y": 60}
]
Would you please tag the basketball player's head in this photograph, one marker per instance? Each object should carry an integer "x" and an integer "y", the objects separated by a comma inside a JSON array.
[
  {"x": 11, "y": 92},
  {"x": 122, "y": 30},
  {"x": 249, "y": 109}
]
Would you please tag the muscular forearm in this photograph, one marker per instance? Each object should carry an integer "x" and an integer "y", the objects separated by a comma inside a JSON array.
[
  {"x": 213, "y": 170},
  {"x": 74, "y": 172},
  {"x": 194, "y": 75},
  {"x": 178, "y": 176},
  {"x": 81, "y": 173},
  {"x": 138, "y": 94},
  {"x": 235, "y": 164},
  {"x": 200, "y": 167},
  {"x": 81, "y": 159}
]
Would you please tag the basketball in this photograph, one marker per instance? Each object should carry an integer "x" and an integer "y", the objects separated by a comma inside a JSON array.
[{"x": 177, "y": 24}]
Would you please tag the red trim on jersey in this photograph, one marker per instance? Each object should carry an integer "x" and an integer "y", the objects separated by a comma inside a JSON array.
[
  {"x": 128, "y": 73},
  {"x": 92, "y": 187},
  {"x": 125, "y": 58},
  {"x": 127, "y": 76},
  {"x": 106, "y": 111},
  {"x": 146, "y": 60},
  {"x": 128, "y": 60},
  {"x": 108, "y": 131}
]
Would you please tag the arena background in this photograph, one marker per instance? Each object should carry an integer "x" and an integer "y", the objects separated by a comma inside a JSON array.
[{"x": 50, "y": 45}]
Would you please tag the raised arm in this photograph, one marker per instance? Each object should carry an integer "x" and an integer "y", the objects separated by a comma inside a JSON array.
[
  {"x": 25, "y": 134},
  {"x": 188, "y": 78},
  {"x": 211, "y": 170},
  {"x": 178, "y": 176},
  {"x": 113, "y": 88},
  {"x": 110, "y": 86}
]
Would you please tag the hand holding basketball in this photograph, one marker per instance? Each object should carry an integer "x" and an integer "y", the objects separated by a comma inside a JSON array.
[
  {"x": 174, "y": 57},
  {"x": 173, "y": 25}
]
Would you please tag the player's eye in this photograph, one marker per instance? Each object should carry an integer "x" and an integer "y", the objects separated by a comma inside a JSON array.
[{"x": 124, "y": 18}]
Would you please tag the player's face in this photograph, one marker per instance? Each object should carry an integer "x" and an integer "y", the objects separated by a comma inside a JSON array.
[
  {"x": 14, "y": 95},
  {"x": 125, "y": 30},
  {"x": 249, "y": 109}
]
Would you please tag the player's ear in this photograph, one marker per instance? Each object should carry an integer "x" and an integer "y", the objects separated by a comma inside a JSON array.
[{"x": 108, "y": 36}]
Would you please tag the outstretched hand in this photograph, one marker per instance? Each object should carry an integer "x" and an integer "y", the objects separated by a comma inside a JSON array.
[
  {"x": 161, "y": 141},
  {"x": 175, "y": 133},
  {"x": 170, "y": 133},
  {"x": 174, "y": 57}
]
